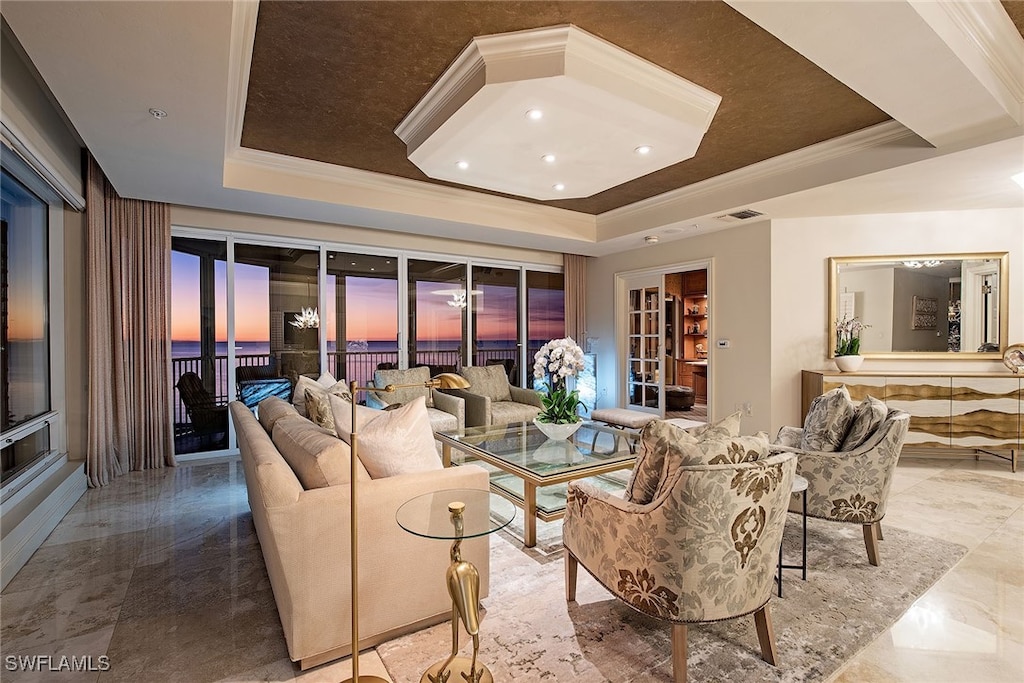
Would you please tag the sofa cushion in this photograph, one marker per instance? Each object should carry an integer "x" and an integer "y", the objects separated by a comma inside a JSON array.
[
  {"x": 394, "y": 442},
  {"x": 828, "y": 420},
  {"x": 509, "y": 412},
  {"x": 658, "y": 440},
  {"x": 421, "y": 374},
  {"x": 272, "y": 409},
  {"x": 318, "y": 459},
  {"x": 325, "y": 383},
  {"x": 488, "y": 380},
  {"x": 441, "y": 421},
  {"x": 867, "y": 418}
]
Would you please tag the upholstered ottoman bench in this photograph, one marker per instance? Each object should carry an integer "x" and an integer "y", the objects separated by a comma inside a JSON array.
[
  {"x": 679, "y": 397},
  {"x": 629, "y": 421}
]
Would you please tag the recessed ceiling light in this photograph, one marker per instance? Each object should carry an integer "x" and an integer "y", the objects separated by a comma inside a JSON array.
[
  {"x": 534, "y": 114},
  {"x": 462, "y": 164},
  {"x": 549, "y": 158},
  {"x": 1019, "y": 179},
  {"x": 559, "y": 186},
  {"x": 157, "y": 113},
  {"x": 643, "y": 149}
]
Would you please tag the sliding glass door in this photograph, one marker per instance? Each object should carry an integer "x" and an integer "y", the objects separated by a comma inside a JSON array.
[
  {"x": 438, "y": 300},
  {"x": 362, "y": 315},
  {"x": 496, "y": 319}
]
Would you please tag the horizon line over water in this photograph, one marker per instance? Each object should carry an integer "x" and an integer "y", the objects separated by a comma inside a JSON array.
[{"x": 187, "y": 348}]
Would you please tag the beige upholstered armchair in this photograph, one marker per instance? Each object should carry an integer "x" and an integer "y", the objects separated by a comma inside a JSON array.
[
  {"x": 447, "y": 413},
  {"x": 851, "y": 482},
  {"x": 491, "y": 400},
  {"x": 705, "y": 546}
]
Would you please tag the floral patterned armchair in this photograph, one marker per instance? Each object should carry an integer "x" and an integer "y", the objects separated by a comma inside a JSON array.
[
  {"x": 704, "y": 548},
  {"x": 851, "y": 485}
]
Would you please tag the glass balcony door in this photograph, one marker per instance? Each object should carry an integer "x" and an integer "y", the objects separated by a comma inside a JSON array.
[
  {"x": 496, "y": 319},
  {"x": 362, "y": 315}
]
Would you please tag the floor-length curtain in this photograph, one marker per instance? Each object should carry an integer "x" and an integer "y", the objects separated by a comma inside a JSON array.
[
  {"x": 128, "y": 275},
  {"x": 574, "y": 269}
]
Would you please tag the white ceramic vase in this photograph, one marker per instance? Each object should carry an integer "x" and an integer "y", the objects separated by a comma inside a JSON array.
[
  {"x": 558, "y": 432},
  {"x": 849, "y": 363}
]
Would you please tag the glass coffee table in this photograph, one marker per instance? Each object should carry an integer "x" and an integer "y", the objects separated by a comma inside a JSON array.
[{"x": 531, "y": 470}]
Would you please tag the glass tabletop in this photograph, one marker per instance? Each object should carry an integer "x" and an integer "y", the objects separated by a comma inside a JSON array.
[
  {"x": 428, "y": 515},
  {"x": 524, "y": 446}
]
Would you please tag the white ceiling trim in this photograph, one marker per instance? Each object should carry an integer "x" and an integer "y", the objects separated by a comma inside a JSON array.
[
  {"x": 270, "y": 173},
  {"x": 243, "y": 37},
  {"x": 854, "y": 143},
  {"x": 925, "y": 65},
  {"x": 994, "y": 36}
]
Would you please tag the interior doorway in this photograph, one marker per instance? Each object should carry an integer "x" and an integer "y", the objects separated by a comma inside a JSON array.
[{"x": 664, "y": 320}]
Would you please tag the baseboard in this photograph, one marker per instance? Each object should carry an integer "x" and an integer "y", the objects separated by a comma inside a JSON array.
[{"x": 28, "y": 521}]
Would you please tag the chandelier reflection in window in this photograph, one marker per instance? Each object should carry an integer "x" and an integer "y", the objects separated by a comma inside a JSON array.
[
  {"x": 308, "y": 318},
  {"x": 459, "y": 297}
]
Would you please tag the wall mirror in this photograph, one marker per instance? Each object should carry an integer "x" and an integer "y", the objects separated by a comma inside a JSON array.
[{"x": 923, "y": 305}]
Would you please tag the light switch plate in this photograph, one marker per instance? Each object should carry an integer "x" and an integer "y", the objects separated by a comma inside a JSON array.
[{"x": 723, "y": 343}]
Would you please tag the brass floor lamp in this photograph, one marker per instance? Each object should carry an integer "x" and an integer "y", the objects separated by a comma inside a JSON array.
[{"x": 446, "y": 380}]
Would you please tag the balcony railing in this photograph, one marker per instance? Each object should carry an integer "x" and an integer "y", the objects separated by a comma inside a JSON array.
[{"x": 355, "y": 365}]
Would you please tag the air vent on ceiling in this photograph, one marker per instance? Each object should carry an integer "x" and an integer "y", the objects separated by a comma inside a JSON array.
[{"x": 739, "y": 215}]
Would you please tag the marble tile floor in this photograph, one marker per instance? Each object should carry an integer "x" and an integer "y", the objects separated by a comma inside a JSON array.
[{"x": 161, "y": 574}]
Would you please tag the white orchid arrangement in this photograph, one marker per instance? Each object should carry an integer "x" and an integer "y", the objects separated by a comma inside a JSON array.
[
  {"x": 848, "y": 336},
  {"x": 556, "y": 361}
]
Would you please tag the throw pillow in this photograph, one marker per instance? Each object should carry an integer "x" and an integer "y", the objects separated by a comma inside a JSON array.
[
  {"x": 418, "y": 375},
  {"x": 664, "y": 446},
  {"x": 341, "y": 408},
  {"x": 828, "y": 420},
  {"x": 326, "y": 382},
  {"x": 395, "y": 442},
  {"x": 318, "y": 408},
  {"x": 868, "y": 417},
  {"x": 488, "y": 380}
]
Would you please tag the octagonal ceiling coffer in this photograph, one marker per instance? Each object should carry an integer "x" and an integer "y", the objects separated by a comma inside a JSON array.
[{"x": 553, "y": 113}]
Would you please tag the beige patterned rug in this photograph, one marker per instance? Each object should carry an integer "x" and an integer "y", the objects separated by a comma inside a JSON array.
[{"x": 530, "y": 633}]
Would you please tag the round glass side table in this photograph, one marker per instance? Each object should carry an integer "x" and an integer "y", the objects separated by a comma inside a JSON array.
[{"x": 452, "y": 515}]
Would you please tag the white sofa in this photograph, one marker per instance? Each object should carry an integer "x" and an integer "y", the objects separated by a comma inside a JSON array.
[{"x": 304, "y": 535}]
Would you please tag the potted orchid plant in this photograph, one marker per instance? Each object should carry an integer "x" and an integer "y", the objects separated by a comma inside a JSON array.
[
  {"x": 555, "y": 363},
  {"x": 847, "y": 351}
]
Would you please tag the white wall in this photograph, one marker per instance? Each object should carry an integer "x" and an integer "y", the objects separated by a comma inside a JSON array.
[
  {"x": 740, "y": 311},
  {"x": 799, "y": 284}
]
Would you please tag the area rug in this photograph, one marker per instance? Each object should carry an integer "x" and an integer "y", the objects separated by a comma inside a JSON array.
[{"x": 530, "y": 633}]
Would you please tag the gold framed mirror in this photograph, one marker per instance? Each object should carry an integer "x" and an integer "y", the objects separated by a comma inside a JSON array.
[{"x": 923, "y": 305}]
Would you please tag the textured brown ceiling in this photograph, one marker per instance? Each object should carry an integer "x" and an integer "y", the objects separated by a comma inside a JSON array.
[
  {"x": 331, "y": 80},
  {"x": 1015, "y": 8}
]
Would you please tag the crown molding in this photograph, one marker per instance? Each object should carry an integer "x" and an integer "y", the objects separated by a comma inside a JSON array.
[
  {"x": 368, "y": 189},
  {"x": 987, "y": 26},
  {"x": 852, "y": 143},
  {"x": 243, "y": 37}
]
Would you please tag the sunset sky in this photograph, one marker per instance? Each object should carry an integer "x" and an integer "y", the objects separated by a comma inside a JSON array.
[{"x": 371, "y": 310}]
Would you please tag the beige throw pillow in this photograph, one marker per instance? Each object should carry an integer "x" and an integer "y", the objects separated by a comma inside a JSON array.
[
  {"x": 394, "y": 442},
  {"x": 868, "y": 417},
  {"x": 325, "y": 383},
  {"x": 664, "y": 446}
]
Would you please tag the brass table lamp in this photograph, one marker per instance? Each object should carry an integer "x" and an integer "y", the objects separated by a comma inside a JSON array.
[{"x": 446, "y": 380}]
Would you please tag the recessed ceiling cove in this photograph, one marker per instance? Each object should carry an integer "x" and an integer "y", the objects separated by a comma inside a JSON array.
[{"x": 554, "y": 113}]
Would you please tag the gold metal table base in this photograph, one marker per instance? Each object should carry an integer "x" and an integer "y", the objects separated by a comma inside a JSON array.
[
  {"x": 460, "y": 667},
  {"x": 463, "y": 581}
]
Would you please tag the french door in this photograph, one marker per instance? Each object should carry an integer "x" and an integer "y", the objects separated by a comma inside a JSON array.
[{"x": 644, "y": 332}]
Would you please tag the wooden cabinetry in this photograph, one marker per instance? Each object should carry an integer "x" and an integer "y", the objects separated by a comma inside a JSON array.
[
  {"x": 978, "y": 411},
  {"x": 694, "y": 331}
]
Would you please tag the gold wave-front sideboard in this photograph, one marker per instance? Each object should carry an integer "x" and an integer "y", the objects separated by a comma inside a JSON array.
[{"x": 977, "y": 411}]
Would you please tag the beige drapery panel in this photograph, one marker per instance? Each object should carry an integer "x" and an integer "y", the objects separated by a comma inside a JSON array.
[
  {"x": 574, "y": 269},
  {"x": 128, "y": 277}
]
